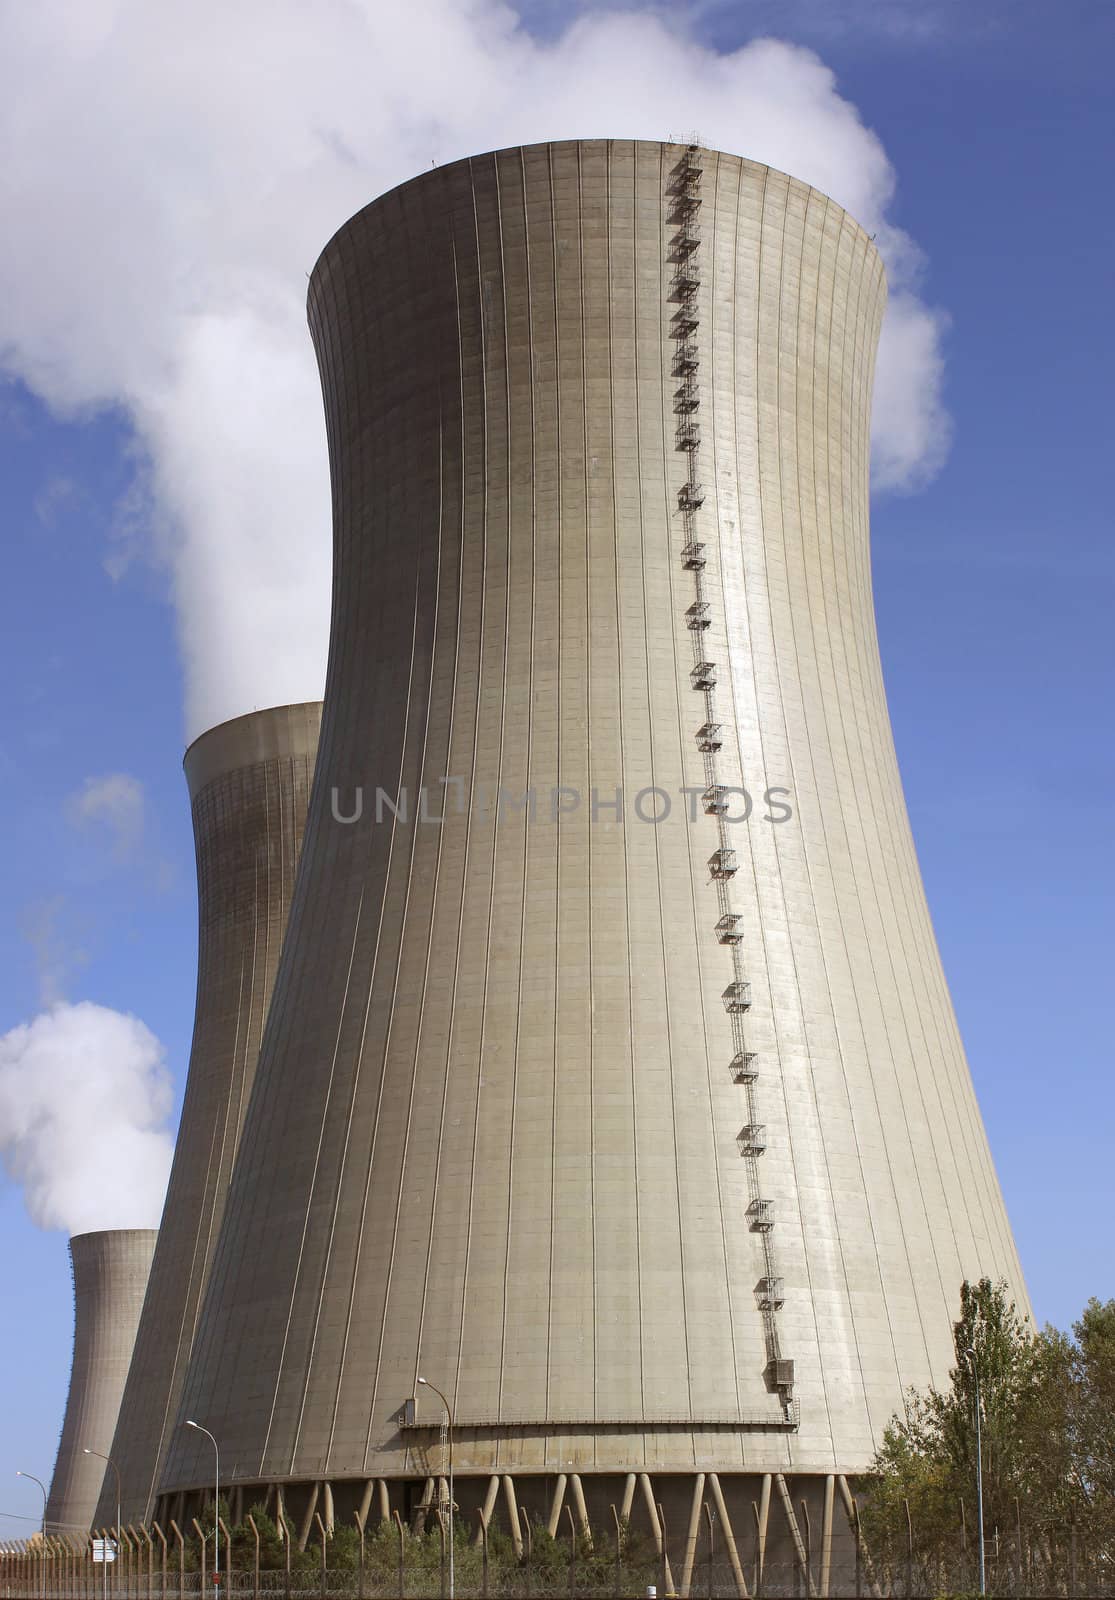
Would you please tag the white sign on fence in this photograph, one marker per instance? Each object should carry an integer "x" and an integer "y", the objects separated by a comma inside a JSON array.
[{"x": 104, "y": 1549}]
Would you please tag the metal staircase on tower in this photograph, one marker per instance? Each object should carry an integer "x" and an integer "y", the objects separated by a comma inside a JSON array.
[{"x": 683, "y": 215}]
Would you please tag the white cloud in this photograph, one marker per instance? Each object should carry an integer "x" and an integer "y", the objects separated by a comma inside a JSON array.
[
  {"x": 117, "y": 801},
  {"x": 179, "y": 170},
  {"x": 912, "y": 446},
  {"x": 84, "y": 1099}
]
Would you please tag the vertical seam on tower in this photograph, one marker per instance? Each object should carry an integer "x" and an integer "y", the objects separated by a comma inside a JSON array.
[
  {"x": 558, "y": 739},
  {"x": 608, "y": 213},
  {"x": 485, "y": 345},
  {"x": 428, "y": 962},
  {"x": 529, "y": 741},
  {"x": 509, "y": 576},
  {"x": 477, "y": 702},
  {"x": 650, "y": 742},
  {"x": 588, "y": 742}
]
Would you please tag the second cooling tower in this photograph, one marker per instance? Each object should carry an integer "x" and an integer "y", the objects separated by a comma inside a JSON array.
[
  {"x": 110, "y": 1277},
  {"x": 249, "y": 782},
  {"x": 635, "y": 1119}
]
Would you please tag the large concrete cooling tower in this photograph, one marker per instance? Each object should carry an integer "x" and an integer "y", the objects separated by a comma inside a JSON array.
[
  {"x": 249, "y": 782},
  {"x": 110, "y": 1277},
  {"x": 650, "y": 1142}
]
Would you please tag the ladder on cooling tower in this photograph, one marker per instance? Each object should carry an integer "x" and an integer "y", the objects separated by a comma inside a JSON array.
[{"x": 683, "y": 216}]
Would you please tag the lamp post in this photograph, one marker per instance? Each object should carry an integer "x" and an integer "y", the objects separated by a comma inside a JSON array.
[
  {"x": 216, "y": 1497},
  {"x": 449, "y": 1415},
  {"x": 979, "y": 1474},
  {"x": 42, "y": 1486},
  {"x": 119, "y": 1496}
]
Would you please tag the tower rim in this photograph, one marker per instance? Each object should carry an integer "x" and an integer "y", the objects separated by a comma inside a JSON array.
[{"x": 564, "y": 144}]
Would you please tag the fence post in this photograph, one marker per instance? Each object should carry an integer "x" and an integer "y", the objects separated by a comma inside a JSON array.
[
  {"x": 360, "y": 1570},
  {"x": 321, "y": 1531},
  {"x": 808, "y": 1542},
  {"x": 150, "y": 1560},
  {"x": 528, "y": 1546},
  {"x": 223, "y": 1527},
  {"x": 572, "y": 1556},
  {"x": 619, "y": 1550},
  {"x": 711, "y": 1520},
  {"x": 161, "y": 1536},
  {"x": 909, "y": 1549},
  {"x": 288, "y": 1533},
  {"x": 1020, "y": 1582},
  {"x": 483, "y": 1553},
  {"x": 177, "y": 1532},
  {"x": 859, "y": 1558},
  {"x": 251, "y": 1521},
  {"x": 202, "y": 1566},
  {"x": 402, "y": 1570},
  {"x": 128, "y": 1562},
  {"x": 667, "y": 1586}
]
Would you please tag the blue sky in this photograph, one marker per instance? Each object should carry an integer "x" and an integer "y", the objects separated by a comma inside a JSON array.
[{"x": 994, "y": 587}]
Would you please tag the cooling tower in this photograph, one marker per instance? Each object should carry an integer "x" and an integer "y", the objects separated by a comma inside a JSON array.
[
  {"x": 249, "y": 782},
  {"x": 110, "y": 1277},
  {"x": 625, "y": 1106}
]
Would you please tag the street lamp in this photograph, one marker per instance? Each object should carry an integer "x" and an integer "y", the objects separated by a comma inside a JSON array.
[
  {"x": 216, "y": 1493},
  {"x": 42, "y": 1486},
  {"x": 979, "y": 1475},
  {"x": 119, "y": 1496},
  {"x": 449, "y": 1415}
]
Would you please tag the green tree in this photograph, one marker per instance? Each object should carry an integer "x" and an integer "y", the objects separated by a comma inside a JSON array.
[{"x": 1047, "y": 1408}]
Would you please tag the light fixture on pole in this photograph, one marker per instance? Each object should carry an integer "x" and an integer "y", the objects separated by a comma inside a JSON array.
[
  {"x": 119, "y": 1496},
  {"x": 449, "y": 1417},
  {"x": 42, "y": 1486},
  {"x": 216, "y": 1497},
  {"x": 979, "y": 1475}
]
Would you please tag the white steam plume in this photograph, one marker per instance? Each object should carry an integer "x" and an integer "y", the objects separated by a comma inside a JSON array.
[
  {"x": 84, "y": 1098},
  {"x": 178, "y": 169}
]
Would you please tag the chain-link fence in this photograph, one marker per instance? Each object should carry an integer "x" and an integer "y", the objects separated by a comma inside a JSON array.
[{"x": 394, "y": 1560}]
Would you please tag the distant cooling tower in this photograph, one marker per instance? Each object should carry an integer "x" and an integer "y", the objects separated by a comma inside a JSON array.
[
  {"x": 110, "y": 1277},
  {"x": 249, "y": 783},
  {"x": 638, "y": 1125}
]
